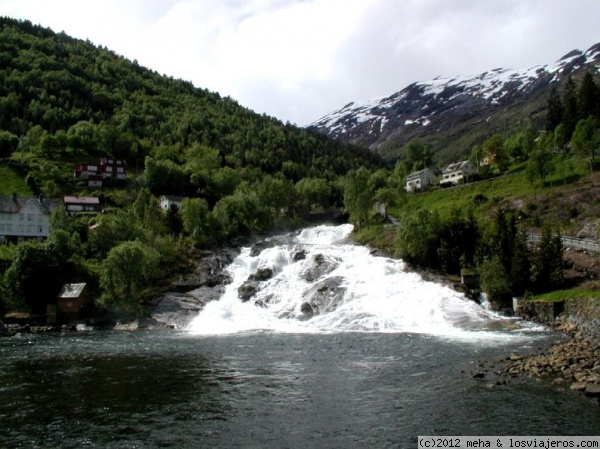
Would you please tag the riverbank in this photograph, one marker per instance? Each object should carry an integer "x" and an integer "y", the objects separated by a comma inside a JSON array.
[{"x": 570, "y": 364}]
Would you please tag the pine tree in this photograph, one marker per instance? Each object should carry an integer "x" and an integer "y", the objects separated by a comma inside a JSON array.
[
  {"x": 555, "y": 111},
  {"x": 588, "y": 97},
  {"x": 571, "y": 110}
]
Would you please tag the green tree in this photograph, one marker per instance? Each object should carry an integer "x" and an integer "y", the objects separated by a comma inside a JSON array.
[
  {"x": 547, "y": 273},
  {"x": 129, "y": 269},
  {"x": 241, "y": 212},
  {"x": 8, "y": 143},
  {"x": 358, "y": 199},
  {"x": 502, "y": 239},
  {"x": 36, "y": 275},
  {"x": 586, "y": 140},
  {"x": 555, "y": 109},
  {"x": 195, "y": 219},
  {"x": 571, "y": 107},
  {"x": 493, "y": 148},
  {"x": 418, "y": 155},
  {"x": 418, "y": 238},
  {"x": 541, "y": 161},
  {"x": 588, "y": 97},
  {"x": 495, "y": 282},
  {"x": 313, "y": 193}
]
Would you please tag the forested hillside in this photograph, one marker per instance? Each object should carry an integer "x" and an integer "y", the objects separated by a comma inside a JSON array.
[
  {"x": 64, "y": 101},
  {"x": 67, "y": 97}
]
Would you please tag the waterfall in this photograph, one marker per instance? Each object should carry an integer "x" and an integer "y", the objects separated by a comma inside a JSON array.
[{"x": 317, "y": 280}]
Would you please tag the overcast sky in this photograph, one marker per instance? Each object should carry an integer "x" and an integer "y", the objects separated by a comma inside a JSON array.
[{"x": 298, "y": 60}]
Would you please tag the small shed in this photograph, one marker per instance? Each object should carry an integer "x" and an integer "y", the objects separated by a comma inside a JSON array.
[{"x": 71, "y": 299}]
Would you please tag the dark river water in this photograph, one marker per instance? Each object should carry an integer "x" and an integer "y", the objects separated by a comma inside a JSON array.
[
  {"x": 384, "y": 357},
  {"x": 155, "y": 389}
]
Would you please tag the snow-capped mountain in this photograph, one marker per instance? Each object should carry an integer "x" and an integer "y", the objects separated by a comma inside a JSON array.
[{"x": 444, "y": 109}]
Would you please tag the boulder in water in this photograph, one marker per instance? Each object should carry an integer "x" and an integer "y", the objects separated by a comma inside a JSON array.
[
  {"x": 299, "y": 255},
  {"x": 321, "y": 266},
  {"x": 247, "y": 290},
  {"x": 306, "y": 310},
  {"x": 325, "y": 296},
  {"x": 262, "y": 274}
]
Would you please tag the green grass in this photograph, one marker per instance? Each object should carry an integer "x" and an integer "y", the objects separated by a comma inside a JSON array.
[
  {"x": 12, "y": 182},
  {"x": 485, "y": 195},
  {"x": 562, "y": 295}
]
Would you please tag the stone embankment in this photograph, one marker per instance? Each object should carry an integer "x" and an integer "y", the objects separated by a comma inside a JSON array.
[{"x": 573, "y": 364}]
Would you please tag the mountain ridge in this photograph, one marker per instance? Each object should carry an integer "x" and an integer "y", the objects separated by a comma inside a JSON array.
[{"x": 446, "y": 104}]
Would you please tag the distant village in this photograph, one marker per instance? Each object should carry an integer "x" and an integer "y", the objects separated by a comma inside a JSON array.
[{"x": 23, "y": 218}]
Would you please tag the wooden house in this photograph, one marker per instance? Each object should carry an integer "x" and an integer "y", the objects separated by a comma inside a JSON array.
[
  {"x": 75, "y": 204},
  {"x": 71, "y": 299}
]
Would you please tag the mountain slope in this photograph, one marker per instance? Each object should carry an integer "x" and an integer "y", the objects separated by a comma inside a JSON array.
[
  {"x": 68, "y": 100},
  {"x": 454, "y": 113}
]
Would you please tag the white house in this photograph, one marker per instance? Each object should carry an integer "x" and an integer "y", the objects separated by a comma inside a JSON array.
[
  {"x": 419, "y": 180},
  {"x": 457, "y": 172},
  {"x": 25, "y": 218},
  {"x": 167, "y": 200}
]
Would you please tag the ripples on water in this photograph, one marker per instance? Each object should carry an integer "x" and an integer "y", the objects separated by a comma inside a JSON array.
[
  {"x": 271, "y": 381},
  {"x": 165, "y": 389}
]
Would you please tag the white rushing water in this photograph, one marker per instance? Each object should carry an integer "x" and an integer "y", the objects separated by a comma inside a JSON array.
[{"x": 321, "y": 282}]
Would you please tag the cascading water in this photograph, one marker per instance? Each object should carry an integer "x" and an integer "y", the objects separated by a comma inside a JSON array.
[{"x": 318, "y": 281}]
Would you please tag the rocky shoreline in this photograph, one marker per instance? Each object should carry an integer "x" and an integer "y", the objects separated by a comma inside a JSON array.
[{"x": 571, "y": 364}]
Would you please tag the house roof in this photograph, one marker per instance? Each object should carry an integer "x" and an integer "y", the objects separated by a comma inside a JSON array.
[
  {"x": 71, "y": 290},
  {"x": 12, "y": 204},
  {"x": 457, "y": 166},
  {"x": 417, "y": 174},
  {"x": 81, "y": 200},
  {"x": 172, "y": 198}
]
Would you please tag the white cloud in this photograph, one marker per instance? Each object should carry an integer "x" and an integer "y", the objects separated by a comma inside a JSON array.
[{"x": 300, "y": 59}]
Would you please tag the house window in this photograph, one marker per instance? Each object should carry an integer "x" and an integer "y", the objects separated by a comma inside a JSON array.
[
  {"x": 30, "y": 229},
  {"x": 2, "y": 227},
  {"x": 119, "y": 169},
  {"x": 21, "y": 228},
  {"x": 21, "y": 217},
  {"x": 9, "y": 227},
  {"x": 109, "y": 169},
  {"x": 40, "y": 229},
  {"x": 30, "y": 217}
]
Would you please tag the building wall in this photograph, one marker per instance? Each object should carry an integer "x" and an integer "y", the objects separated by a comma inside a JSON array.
[{"x": 29, "y": 222}]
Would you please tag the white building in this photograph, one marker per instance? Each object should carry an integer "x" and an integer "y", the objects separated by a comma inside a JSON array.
[
  {"x": 457, "y": 173},
  {"x": 167, "y": 200},
  {"x": 419, "y": 180},
  {"x": 25, "y": 218}
]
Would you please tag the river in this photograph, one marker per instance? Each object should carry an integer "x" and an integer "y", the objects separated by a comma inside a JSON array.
[{"x": 385, "y": 357}]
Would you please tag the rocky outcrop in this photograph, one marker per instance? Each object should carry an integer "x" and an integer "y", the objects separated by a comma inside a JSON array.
[
  {"x": 321, "y": 266},
  {"x": 249, "y": 288},
  {"x": 325, "y": 296},
  {"x": 187, "y": 295}
]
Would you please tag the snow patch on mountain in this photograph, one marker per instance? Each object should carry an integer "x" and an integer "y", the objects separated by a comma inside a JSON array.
[{"x": 428, "y": 103}]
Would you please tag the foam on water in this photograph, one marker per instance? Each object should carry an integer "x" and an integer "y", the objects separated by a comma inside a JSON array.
[{"x": 357, "y": 292}]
